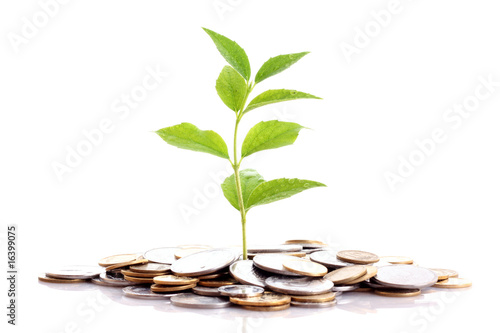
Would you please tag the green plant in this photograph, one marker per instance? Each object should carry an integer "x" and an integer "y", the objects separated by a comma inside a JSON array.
[{"x": 246, "y": 189}]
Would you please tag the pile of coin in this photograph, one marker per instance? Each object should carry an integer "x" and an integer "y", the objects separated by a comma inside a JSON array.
[{"x": 302, "y": 273}]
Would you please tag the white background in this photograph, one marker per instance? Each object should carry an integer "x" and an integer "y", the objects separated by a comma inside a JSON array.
[{"x": 128, "y": 193}]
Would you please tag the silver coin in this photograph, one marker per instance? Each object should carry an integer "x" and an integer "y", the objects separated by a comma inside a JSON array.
[
  {"x": 144, "y": 292},
  {"x": 373, "y": 285},
  {"x": 245, "y": 272},
  {"x": 241, "y": 291},
  {"x": 346, "y": 288},
  {"x": 299, "y": 285},
  {"x": 114, "y": 281},
  {"x": 76, "y": 272},
  {"x": 150, "y": 268},
  {"x": 275, "y": 248},
  {"x": 190, "y": 300},
  {"x": 273, "y": 263},
  {"x": 101, "y": 282},
  {"x": 315, "y": 305},
  {"x": 203, "y": 263},
  {"x": 329, "y": 259},
  {"x": 206, "y": 291},
  {"x": 405, "y": 277},
  {"x": 161, "y": 255}
]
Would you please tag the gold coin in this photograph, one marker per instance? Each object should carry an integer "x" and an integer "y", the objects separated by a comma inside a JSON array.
[
  {"x": 150, "y": 268},
  {"x": 305, "y": 267},
  {"x": 371, "y": 271},
  {"x": 185, "y": 251},
  {"x": 45, "y": 278},
  {"x": 141, "y": 275},
  {"x": 397, "y": 260},
  {"x": 266, "y": 299},
  {"x": 442, "y": 274},
  {"x": 127, "y": 263},
  {"x": 328, "y": 297},
  {"x": 137, "y": 279},
  {"x": 158, "y": 288},
  {"x": 173, "y": 280},
  {"x": 266, "y": 308},
  {"x": 212, "y": 276},
  {"x": 217, "y": 283},
  {"x": 363, "y": 289},
  {"x": 451, "y": 273},
  {"x": 397, "y": 292},
  {"x": 357, "y": 257},
  {"x": 454, "y": 283},
  {"x": 304, "y": 241},
  {"x": 292, "y": 254},
  {"x": 118, "y": 259},
  {"x": 346, "y": 274}
]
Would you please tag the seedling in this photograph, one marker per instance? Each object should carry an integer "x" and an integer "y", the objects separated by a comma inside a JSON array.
[{"x": 246, "y": 188}]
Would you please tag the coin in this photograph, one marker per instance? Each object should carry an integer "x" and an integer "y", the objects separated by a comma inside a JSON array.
[
  {"x": 299, "y": 285},
  {"x": 125, "y": 264},
  {"x": 190, "y": 300},
  {"x": 118, "y": 259},
  {"x": 266, "y": 299},
  {"x": 405, "y": 277},
  {"x": 394, "y": 292},
  {"x": 111, "y": 280},
  {"x": 44, "y": 278},
  {"x": 241, "y": 291},
  {"x": 245, "y": 272},
  {"x": 187, "y": 251},
  {"x": 346, "y": 274},
  {"x": 314, "y": 305},
  {"x": 273, "y": 263},
  {"x": 128, "y": 272},
  {"x": 206, "y": 291},
  {"x": 266, "y": 308},
  {"x": 397, "y": 260},
  {"x": 203, "y": 263},
  {"x": 320, "y": 298},
  {"x": 371, "y": 271},
  {"x": 218, "y": 282},
  {"x": 172, "y": 280},
  {"x": 75, "y": 272},
  {"x": 305, "y": 267},
  {"x": 442, "y": 272},
  {"x": 139, "y": 280},
  {"x": 305, "y": 241},
  {"x": 275, "y": 248},
  {"x": 150, "y": 268},
  {"x": 372, "y": 284},
  {"x": 212, "y": 276},
  {"x": 328, "y": 259},
  {"x": 454, "y": 283},
  {"x": 159, "y": 288},
  {"x": 291, "y": 254},
  {"x": 143, "y": 292},
  {"x": 345, "y": 288},
  {"x": 161, "y": 255},
  {"x": 357, "y": 257}
]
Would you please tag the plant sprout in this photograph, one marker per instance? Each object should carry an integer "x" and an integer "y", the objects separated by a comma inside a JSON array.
[{"x": 246, "y": 188}]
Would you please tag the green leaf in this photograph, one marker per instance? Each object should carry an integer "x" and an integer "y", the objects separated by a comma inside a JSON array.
[
  {"x": 188, "y": 136},
  {"x": 278, "y": 189},
  {"x": 275, "y": 96},
  {"x": 277, "y": 65},
  {"x": 249, "y": 179},
  {"x": 269, "y": 135},
  {"x": 232, "y": 52},
  {"x": 231, "y": 88}
]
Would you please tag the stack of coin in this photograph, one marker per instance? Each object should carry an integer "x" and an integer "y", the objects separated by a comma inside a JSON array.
[
  {"x": 71, "y": 274},
  {"x": 268, "y": 301}
]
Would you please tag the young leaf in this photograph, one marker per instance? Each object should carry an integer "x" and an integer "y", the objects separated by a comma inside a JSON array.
[
  {"x": 232, "y": 52},
  {"x": 278, "y": 189},
  {"x": 277, "y": 65},
  {"x": 269, "y": 135},
  {"x": 275, "y": 96},
  {"x": 249, "y": 179},
  {"x": 231, "y": 88},
  {"x": 188, "y": 136}
]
